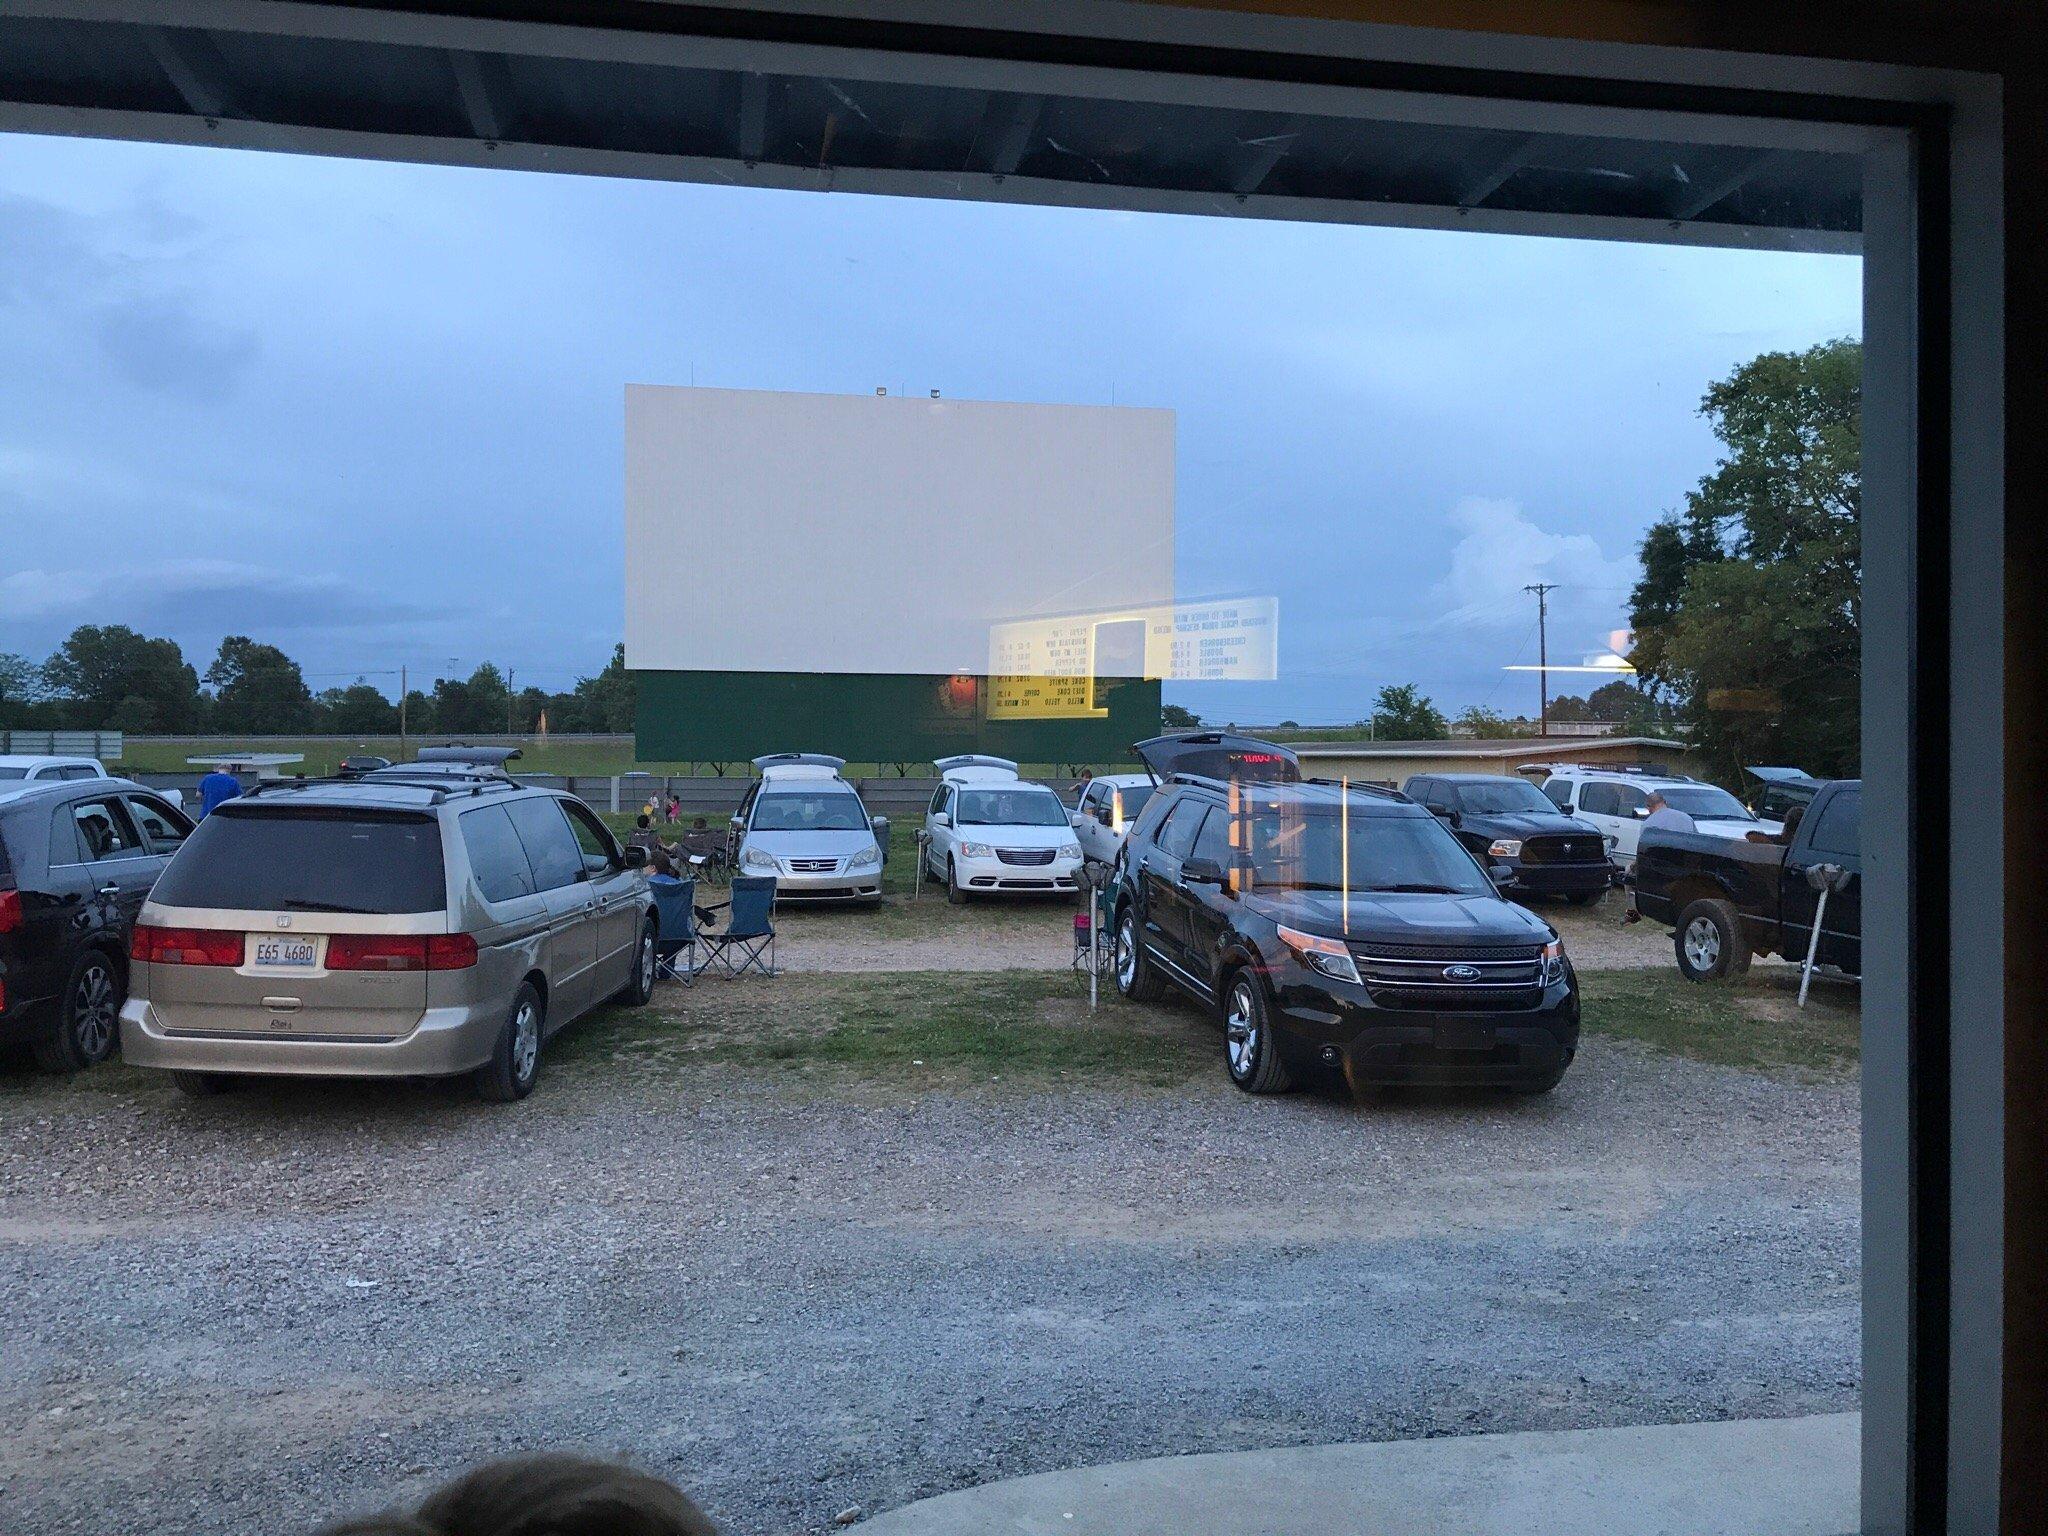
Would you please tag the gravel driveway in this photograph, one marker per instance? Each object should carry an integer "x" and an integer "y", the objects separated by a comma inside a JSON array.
[{"x": 249, "y": 1314}]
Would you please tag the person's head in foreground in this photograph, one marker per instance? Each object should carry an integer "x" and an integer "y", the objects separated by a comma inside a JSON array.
[
  {"x": 643, "y": 821},
  {"x": 662, "y": 864},
  {"x": 549, "y": 1495}
]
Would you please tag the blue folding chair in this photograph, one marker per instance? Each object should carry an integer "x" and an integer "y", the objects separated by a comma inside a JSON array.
[
  {"x": 675, "y": 916},
  {"x": 749, "y": 930}
]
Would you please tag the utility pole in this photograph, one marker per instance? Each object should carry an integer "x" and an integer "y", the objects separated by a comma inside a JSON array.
[
  {"x": 403, "y": 693},
  {"x": 510, "y": 673},
  {"x": 1542, "y": 589}
]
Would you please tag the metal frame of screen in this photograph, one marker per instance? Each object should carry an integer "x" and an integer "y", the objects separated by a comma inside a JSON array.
[{"x": 1935, "y": 399}]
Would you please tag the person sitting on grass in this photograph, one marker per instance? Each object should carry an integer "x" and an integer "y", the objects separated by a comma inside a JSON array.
[
  {"x": 643, "y": 835},
  {"x": 545, "y": 1495}
]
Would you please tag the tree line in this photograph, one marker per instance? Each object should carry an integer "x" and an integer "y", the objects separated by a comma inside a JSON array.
[{"x": 109, "y": 677}]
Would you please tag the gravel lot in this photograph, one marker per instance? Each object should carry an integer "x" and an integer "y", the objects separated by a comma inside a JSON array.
[{"x": 797, "y": 1294}]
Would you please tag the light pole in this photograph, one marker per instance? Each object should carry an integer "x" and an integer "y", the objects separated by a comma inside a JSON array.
[{"x": 1542, "y": 589}]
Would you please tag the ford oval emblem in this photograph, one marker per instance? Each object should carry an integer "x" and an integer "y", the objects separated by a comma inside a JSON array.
[{"x": 1461, "y": 973}]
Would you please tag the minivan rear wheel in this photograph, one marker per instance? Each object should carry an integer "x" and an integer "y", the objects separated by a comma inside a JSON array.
[
  {"x": 515, "y": 1060},
  {"x": 204, "y": 1085},
  {"x": 85, "y": 1025}
]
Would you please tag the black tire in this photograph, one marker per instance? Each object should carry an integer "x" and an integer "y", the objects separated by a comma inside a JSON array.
[
  {"x": 954, "y": 893},
  {"x": 1136, "y": 977},
  {"x": 1541, "y": 1085},
  {"x": 1584, "y": 898},
  {"x": 1251, "y": 1052},
  {"x": 204, "y": 1085},
  {"x": 1709, "y": 941},
  {"x": 84, "y": 1026},
  {"x": 515, "y": 1059},
  {"x": 639, "y": 986}
]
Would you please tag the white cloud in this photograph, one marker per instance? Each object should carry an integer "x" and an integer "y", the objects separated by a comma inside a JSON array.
[{"x": 1501, "y": 551}]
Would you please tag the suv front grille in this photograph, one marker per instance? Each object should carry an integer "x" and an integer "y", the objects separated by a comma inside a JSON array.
[{"x": 1419, "y": 976}]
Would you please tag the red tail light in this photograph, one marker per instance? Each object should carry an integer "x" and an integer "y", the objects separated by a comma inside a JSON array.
[
  {"x": 10, "y": 911},
  {"x": 186, "y": 946},
  {"x": 400, "y": 952}
]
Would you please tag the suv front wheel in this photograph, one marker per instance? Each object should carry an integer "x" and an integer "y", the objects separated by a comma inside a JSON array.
[
  {"x": 1135, "y": 977},
  {"x": 1249, "y": 1049}
]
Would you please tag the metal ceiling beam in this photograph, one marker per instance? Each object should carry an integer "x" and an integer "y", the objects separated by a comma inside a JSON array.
[
  {"x": 194, "y": 67},
  {"x": 1258, "y": 156},
  {"x": 485, "y": 102},
  {"x": 1699, "y": 200},
  {"x": 1480, "y": 188},
  {"x": 1008, "y": 125}
]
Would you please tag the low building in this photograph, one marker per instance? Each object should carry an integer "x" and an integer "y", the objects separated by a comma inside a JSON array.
[{"x": 1392, "y": 763}]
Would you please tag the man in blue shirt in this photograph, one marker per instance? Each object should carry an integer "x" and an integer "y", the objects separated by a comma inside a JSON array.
[{"x": 217, "y": 787}]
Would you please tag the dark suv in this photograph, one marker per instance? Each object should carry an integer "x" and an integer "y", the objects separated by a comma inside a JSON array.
[
  {"x": 1511, "y": 824},
  {"x": 1334, "y": 927},
  {"x": 77, "y": 859}
]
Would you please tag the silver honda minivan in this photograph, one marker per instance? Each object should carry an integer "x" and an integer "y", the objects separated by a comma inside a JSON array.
[{"x": 427, "y": 924}]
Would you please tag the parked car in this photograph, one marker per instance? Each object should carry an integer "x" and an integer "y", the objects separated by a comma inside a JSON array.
[
  {"x": 1105, "y": 811},
  {"x": 1336, "y": 927},
  {"x": 356, "y": 764},
  {"x": 37, "y": 770},
  {"x": 989, "y": 831},
  {"x": 1726, "y": 900},
  {"x": 77, "y": 858},
  {"x": 1616, "y": 800},
  {"x": 423, "y": 926},
  {"x": 805, "y": 825},
  {"x": 1511, "y": 824},
  {"x": 1779, "y": 789}
]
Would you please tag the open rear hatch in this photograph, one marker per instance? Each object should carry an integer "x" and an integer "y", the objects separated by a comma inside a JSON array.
[{"x": 1219, "y": 755}]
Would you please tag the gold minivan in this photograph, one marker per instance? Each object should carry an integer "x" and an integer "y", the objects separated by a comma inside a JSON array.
[{"x": 419, "y": 923}]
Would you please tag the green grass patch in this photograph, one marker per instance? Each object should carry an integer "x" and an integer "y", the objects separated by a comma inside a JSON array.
[
  {"x": 1754, "y": 1023},
  {"x": 909, "y": 1027}
]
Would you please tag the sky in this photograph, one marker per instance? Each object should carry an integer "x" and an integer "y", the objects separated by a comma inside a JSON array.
[{"x": 373, "y": 413}]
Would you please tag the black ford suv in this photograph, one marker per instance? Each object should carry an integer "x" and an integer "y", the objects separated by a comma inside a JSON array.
[
  {"x": 1511, "y": 824},
  {"x": 1333, "y": 927},
  {"x": 77, "y": 860}
]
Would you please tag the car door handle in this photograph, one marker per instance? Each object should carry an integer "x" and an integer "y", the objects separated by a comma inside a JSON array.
[{"x": 110, "y": 889}]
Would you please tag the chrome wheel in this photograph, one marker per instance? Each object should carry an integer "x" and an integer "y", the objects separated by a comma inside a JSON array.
[
  {"x": 525, "y": 1040},
  {"x": 1241, "y": 1031},
  {"x": 1126, "y": 953},
  {"x": 95, "y": 1012},
  {"x": 646, "y": 963},
  {"x": 1702, "y": 944}
]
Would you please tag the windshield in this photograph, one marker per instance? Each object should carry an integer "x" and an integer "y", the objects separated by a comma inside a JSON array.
[
  {"x": 1504, "y": 798},
  {"x": 1298, "y": 849},
  {"x": 13, "y": 773},
  {"x": 307, "y": 861},
  {"x": 1031, "y": 807},
  {"x": 1130, "y": 799},
  {"x": 810, "y": 811},
  {"x": 1706, "y": 800}
]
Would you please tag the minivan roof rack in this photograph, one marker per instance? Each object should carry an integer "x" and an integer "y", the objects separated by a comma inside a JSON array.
[{"x": 1647, "y": 770}]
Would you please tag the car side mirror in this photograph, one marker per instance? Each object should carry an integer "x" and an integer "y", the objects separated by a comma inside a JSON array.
[
  {"x": 1201, "y": 872},
  {"x": 636, "y": 858},
  {"x": 942, "y": 818},
  {"x": 1448, "y": 816},
  {"x": 879, "y": 825},
  {"x": 1502, "y": 875},
  {"x": 1640, "y": 811}
]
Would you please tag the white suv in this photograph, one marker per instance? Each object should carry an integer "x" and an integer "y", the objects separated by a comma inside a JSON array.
[
  {"x": 806, "y": 826},
  {"x": 1616, "y": 800},
  {"x": 989, "y": 830}
]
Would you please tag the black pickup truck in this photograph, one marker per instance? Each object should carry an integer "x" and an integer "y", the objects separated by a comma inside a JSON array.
[{"x": 1726, "y": 899}]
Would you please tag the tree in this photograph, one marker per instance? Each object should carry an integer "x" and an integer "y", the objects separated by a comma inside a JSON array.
[
  {"x": 99, "y": 670},
  {"x": 1403, "y": 713},
  {"x": 1487, "y": 724},
  {"x": 606, "y": 702},
  {"x": 1568, "y": 706},
  {"x": 23, "y": 701},
  {"x": 1615, "y": 702},
  {"x": 359, "y": 710},
  {"x": 258, "y": 690},
  {"x": 419, "y": 713},
  {"x": 1177, "y": 717},
  {"x": 1749, "y": 611}
]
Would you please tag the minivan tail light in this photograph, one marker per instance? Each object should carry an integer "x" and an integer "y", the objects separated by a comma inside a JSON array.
[
  {"x": 186, "y": 946},
  {"x": 400, "y": 952},
  {"x": 10, "y": 911}
]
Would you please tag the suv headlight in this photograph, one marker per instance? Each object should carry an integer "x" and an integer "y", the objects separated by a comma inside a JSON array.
[
  {"x": 868, "y": 855},
  {"x": 977, "y": 851},
  {"x": 1328, "y": 956},
  {"x": 1504, "y": 847},
  {"x": 1553, "y": 961},
  {"x": 1070, "y": 850},
  {"x": 757, "y": 858}
]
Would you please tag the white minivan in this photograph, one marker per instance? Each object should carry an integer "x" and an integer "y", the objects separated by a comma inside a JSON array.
[
  {"x": 990, "y": 831},
  {"x": 803, "y": 824}
]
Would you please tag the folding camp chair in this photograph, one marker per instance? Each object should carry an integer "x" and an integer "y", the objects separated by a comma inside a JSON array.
[
  {"x": 749, "y": 927},
  {"x": 675, "y": 916}
]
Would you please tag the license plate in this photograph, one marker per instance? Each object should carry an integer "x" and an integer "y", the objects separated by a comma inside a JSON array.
[
  {"x": 286, "y": 954},
  {"x": 1465, "y": 1037}
]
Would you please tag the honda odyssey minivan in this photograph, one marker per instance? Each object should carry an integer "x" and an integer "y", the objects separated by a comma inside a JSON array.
[{"x": 385, "y": 926}]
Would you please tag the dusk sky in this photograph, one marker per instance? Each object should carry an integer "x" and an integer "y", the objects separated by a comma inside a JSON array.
[{"x": 372, "y": 413}]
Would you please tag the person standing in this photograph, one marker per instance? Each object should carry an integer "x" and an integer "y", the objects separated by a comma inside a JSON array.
[
  {"x": 216, "y": 789},
  {"x": 1664, "y": 815}
]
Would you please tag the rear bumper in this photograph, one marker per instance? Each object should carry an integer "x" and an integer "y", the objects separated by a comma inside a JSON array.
[{"x": 446, "y": 1041}]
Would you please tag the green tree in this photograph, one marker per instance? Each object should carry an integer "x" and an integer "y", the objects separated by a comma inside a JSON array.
[
  {"x": 1402, "y": 712},
  {"x": 258, "y": 690},
  {"x": 101, "y": 669},
  {"x": 1615, "y": 702},
  {"x": 1748, "y": 615},
  {"x": 359, "y": 710},
  {"x": 22, "y": 693},
  {"x": 1569, "y": 706},
  {"x": 606, "y": 702},
  {"x": 1487, "y": 724},
  {"x": 1178, "y": 717}
]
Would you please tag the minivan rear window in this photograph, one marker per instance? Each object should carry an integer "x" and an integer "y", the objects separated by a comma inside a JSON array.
[{"x": 272, "y": 859}]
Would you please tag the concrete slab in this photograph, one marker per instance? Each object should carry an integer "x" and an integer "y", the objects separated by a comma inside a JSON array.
[{"x": 1747, "y": 1477}]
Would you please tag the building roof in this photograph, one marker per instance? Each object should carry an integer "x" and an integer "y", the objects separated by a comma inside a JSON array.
[{"x": 1523, "y": 748}]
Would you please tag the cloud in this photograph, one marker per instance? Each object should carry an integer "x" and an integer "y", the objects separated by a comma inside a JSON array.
[
  {"x": 216, "y": 595},
  {"x": 1501, "y": 551}
]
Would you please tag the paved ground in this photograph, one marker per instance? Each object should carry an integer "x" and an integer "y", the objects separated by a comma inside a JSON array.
[{"x": 798, "y": 1295}]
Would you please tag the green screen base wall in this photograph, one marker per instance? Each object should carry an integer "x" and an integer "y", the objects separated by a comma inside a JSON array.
[{"x": 868, "y": 717}]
